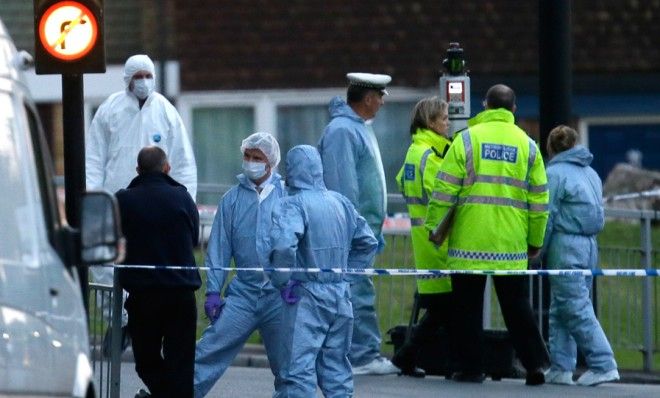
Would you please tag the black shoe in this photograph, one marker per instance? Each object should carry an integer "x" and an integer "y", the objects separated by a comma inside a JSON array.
[
  {"x": 414, "y": 372},
  {"x": 535, "y": 377},
  {"x": 405, "y": 359},
  {"x": 465, "y": 377},
  {"x": 142, "y": 393}
]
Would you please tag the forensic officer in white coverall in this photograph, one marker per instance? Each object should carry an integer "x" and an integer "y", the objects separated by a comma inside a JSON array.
[{"x": 126, "y": 122}]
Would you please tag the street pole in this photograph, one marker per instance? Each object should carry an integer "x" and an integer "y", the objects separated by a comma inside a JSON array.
[
  {"x": 74, "y": 160},
  {"x": 555, "y": 66},
  {"x": 555, "y": 88}
]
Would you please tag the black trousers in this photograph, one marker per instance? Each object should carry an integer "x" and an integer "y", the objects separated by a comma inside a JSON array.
[
  {"x": 467, "y": 317},
  {"x": 437, "y": 315},
  {"x": 162, "y": 323}
]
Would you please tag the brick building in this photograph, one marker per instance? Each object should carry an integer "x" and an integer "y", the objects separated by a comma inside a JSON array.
[{"x": 235, "y": 67}]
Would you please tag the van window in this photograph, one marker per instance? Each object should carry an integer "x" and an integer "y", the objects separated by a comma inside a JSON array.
[
  {"x": 43, "y": 163},
  {"x": 22, "y": 233}
]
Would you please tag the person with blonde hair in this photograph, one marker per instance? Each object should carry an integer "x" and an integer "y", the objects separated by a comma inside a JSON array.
[
  {"x": 430, "y": 142},
  {"x": 576, "y": 217}
]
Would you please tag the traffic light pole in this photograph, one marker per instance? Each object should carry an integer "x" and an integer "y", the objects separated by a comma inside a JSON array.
[{"x": 74, "y": 158}]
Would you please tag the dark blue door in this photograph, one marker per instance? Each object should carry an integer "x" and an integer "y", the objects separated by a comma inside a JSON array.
[{"x": 610, "y": 143}]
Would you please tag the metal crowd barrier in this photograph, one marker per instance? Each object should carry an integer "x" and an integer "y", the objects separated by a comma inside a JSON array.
[
  {"x": 104, "y": 338},
  {"x": 100, "y": 307}
]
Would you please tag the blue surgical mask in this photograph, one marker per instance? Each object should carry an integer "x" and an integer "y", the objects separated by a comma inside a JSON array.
[
  {"x": 142, "y": 88},
  {"x": 254, "y": 170}
]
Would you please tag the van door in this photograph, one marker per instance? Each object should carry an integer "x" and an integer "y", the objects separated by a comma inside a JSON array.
[{"x": 42, "y": 328}]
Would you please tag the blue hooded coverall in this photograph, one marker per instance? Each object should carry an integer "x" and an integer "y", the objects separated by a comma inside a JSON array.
[
  {"x": 240, "y": 231},
  {"x": 316, "y": 228},
  {"x": 576, "y": 217},
  {"x": 352, "y": 166}
]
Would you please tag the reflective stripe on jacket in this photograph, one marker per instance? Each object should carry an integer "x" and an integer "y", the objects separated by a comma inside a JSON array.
[
  {"x": 494, "y": 173},
  {"x": 415, "y": 181}
]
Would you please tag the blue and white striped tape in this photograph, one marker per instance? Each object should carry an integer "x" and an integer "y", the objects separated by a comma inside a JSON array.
[{"x": 414, "y": 272}]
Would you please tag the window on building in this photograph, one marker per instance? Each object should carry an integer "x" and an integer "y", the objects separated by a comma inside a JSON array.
[
  {"x": 217, "y": 136},
  {"x": 297, "y": 125},
  {"x": 304, "y": 125},
  {"x": 218, "y": 124}
]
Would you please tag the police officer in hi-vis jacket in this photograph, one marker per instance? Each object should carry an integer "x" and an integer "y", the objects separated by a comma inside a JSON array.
[{"x": 494, "y": 176}]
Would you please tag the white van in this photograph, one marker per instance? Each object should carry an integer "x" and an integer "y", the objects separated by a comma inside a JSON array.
[{"x": 44, "y": 345}]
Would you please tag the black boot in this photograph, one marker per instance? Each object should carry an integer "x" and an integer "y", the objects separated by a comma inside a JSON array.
[
  {"x": 405, "y": 359},
  {"x": 535, "y": 377}
]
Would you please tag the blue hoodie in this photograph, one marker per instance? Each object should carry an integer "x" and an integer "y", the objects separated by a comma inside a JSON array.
[
  {"x": 576, "y": 210},
  {"x": 352, "y": 165},
  {"x": 315, "y": 227}
]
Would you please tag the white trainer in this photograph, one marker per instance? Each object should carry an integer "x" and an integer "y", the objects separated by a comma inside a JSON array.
[
  {"x": 556, "y": 376},
  {"x": 591, "y": 378},
  {"x": 379, "y": 366}
]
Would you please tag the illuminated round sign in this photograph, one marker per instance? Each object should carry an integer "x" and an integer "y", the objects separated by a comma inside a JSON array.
[{"x": 68, "y": 30}]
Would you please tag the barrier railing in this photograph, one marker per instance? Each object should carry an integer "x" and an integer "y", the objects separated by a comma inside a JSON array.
[
  {"x": 105, "y": 339},
  {"x": 100, "y": 305}
]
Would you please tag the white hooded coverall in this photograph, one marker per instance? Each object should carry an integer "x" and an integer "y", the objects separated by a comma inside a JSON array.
[{"x": 121, "y": 128}]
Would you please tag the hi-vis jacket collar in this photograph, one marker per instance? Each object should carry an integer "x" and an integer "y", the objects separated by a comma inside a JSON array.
[{"x": 492, "y": 115}]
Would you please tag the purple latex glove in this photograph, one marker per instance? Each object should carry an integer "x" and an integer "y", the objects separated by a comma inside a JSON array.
[
  {"x": 287, "y": 293},
  {"x": 213, "y": 306}
]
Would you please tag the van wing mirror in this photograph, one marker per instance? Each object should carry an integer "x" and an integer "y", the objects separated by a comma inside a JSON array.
[{"x": 100, "y": 230}]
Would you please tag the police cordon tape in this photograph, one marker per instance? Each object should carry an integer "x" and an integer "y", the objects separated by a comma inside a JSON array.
[{"x": 424, "y": 273}]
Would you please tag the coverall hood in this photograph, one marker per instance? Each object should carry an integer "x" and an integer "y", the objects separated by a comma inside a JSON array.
[
  {"x": 304, "y": 170},
  {"x": 578, "y": 155},
  {"x": 339, "y": 108},
  {"x": 135, "y": 64}
]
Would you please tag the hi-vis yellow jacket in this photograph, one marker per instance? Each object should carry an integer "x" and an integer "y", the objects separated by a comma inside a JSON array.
[
  {"x": 494, "y": 173},
  {"x": 415, "y": 180}
]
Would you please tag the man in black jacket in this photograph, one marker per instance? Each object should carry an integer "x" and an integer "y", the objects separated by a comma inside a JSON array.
[{"x": 161, "y": 225}]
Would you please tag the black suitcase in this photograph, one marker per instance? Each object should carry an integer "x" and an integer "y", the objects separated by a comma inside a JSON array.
[{"x": 498, "y": 356}]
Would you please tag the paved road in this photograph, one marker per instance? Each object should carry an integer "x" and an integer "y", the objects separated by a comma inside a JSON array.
[{"x": 258, "y": 383}]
